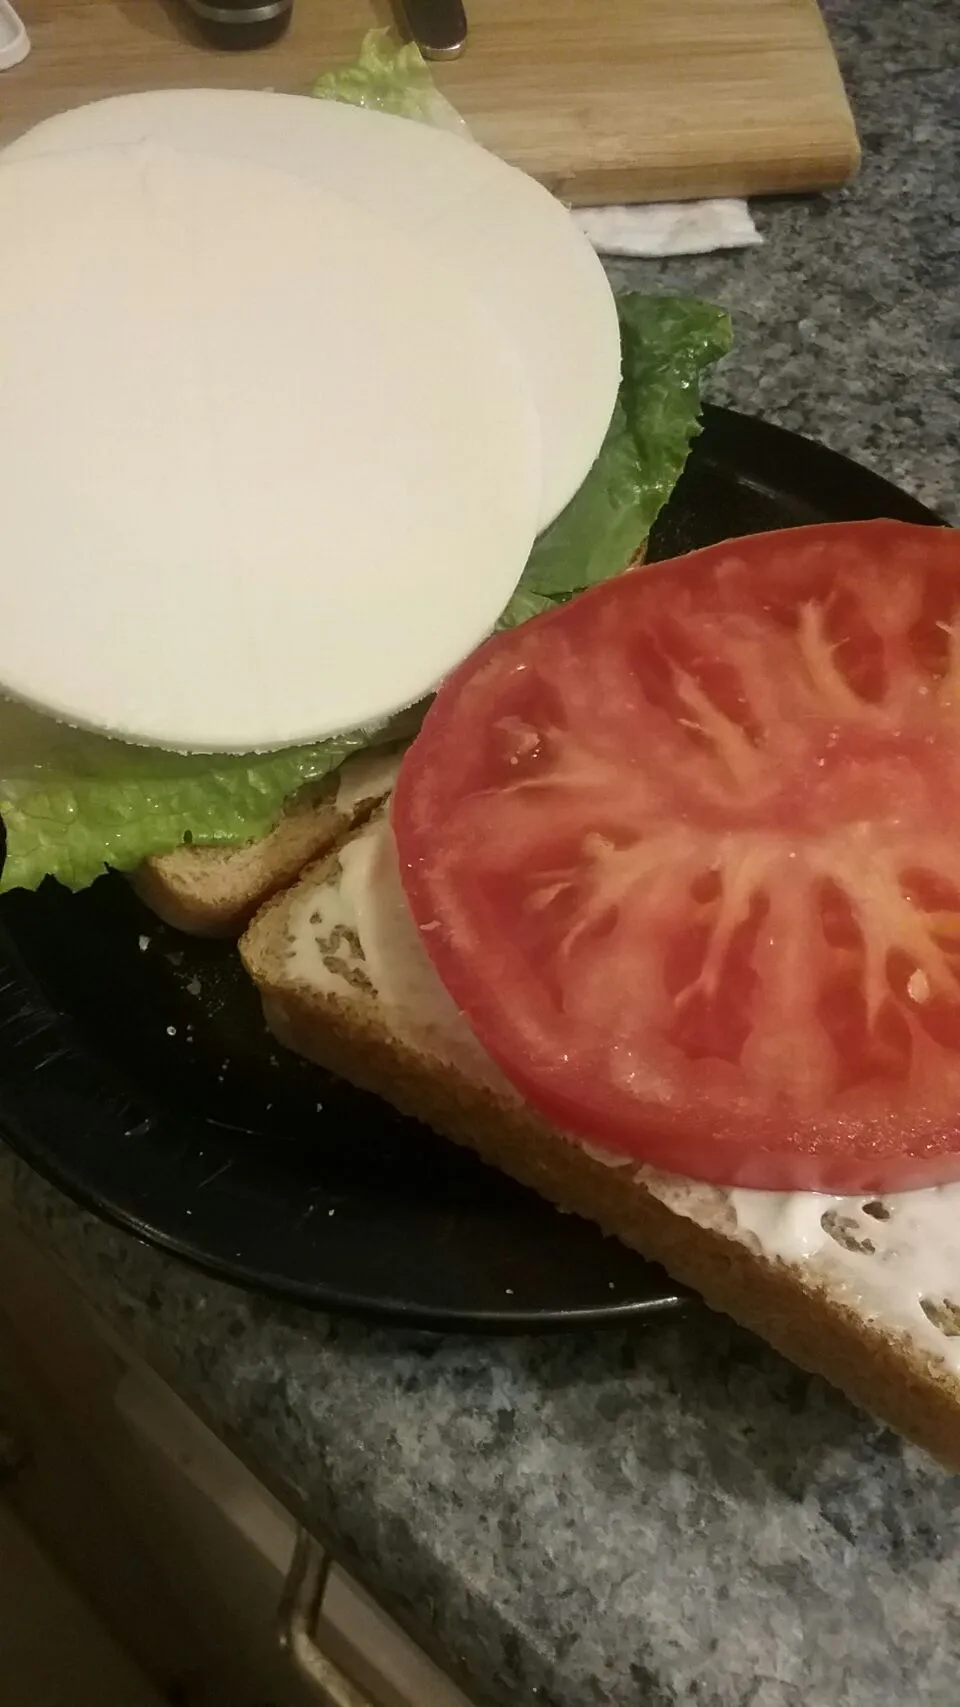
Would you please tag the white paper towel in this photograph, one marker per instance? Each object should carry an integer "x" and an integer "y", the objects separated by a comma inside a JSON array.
[{"x": 668, "y": 228}]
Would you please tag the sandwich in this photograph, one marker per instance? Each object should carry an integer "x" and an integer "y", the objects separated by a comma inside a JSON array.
[{"x": 661, "y": 917}]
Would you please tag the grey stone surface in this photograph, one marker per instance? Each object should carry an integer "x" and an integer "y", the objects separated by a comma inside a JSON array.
[
  {"x": 670, "y": 1517},
  {"x": 847, "y": 320}
]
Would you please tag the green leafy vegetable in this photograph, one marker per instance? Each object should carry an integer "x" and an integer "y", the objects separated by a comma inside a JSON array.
[
  {"x": 392, "y": 78},
  {"x": 667, "y": 343},
  {"x": 523, "y": 606},
  {"x": 74, "y": 802}
]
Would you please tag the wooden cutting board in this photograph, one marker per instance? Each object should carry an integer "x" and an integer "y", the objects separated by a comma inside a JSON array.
[{"x": 604, "y": 100}]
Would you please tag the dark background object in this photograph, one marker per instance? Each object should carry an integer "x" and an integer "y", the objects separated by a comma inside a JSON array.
[
  {"x": 439, "y": 27},
  {"x": 240, "y": 23},
  {"x": 136, "y": 1073}
]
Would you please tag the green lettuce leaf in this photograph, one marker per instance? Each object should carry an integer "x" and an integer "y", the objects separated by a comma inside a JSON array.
[
  {"x": 73, "y": 802},
  {"x": 667, "y": 344},
  {"x": 523, "y": 606},
  {"x": 391, "y": 77}
]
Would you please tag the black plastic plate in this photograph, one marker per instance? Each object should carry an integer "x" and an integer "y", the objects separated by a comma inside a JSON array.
[{"x": 135, "y": 1072}]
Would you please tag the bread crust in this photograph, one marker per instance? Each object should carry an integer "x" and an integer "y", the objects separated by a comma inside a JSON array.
[{"x": 214, "y": 892}]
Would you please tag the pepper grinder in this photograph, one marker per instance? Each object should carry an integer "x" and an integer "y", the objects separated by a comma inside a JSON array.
[{"x": 240, "y": 24}]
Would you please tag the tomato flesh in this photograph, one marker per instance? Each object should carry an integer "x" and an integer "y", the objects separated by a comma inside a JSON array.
[{"x": 687, "y": 852}]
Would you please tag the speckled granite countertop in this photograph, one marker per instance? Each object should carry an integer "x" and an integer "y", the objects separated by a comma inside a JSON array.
[{"x": 672, "y": 1516}]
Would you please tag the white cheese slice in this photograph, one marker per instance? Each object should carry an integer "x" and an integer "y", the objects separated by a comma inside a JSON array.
[
  {"x": 267, "y": 469},
  {"x": 518, "y": 245},
  {"x": 366, "y": 910}
]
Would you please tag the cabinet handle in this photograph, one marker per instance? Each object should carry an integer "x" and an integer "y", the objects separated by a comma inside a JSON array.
[{"x": 300, "y": 1606}]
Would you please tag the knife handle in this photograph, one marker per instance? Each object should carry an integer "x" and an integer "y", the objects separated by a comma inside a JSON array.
[{"x": 439, "y": 27}]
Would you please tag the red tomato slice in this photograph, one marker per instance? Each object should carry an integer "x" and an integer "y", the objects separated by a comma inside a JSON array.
[{"x": 686, "y": 852}]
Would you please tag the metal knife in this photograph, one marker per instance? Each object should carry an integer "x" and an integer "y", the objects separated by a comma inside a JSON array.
[{"x": 439, "y": 27}]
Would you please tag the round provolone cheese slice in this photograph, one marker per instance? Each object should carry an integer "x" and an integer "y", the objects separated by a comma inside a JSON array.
[
  {"x": 267, "y": 469},
  {"x": 517, "y": 244}
]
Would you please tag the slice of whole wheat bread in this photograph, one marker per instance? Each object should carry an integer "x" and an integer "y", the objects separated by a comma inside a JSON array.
[
  {"x": 214, "y": 891},
  {"x": 319, "y": 1000}
]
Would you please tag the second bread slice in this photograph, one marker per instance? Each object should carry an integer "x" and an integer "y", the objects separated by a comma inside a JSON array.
[
  {"x": 215, "y": 891},
  {"x": 349, "y": 986}
]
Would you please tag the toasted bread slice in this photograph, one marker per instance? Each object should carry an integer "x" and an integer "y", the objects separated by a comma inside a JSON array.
[
  {"x": 347, "y": 984},
  {"x": 211, "y": 891}
]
